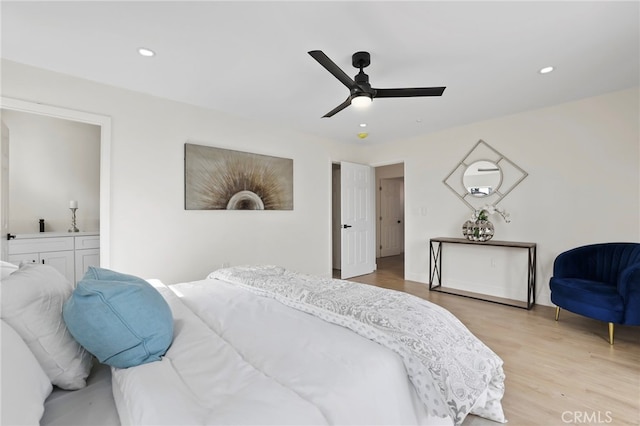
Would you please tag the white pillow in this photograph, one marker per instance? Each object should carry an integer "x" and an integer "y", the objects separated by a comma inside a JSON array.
[
  {"x": 25, "y": 385},
  {"x": 7, "y": 268},
  {"x": 32, "y": 299}
]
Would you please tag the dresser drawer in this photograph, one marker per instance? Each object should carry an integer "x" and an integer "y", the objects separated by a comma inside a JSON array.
[
  {"x": 88, "y": 242},
  {"x": 17, "y": 259},
  {"x": 40, "y": 245}
]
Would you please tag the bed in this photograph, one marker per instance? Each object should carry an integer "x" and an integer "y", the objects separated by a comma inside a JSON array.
[{"x": 250, "y": 345}]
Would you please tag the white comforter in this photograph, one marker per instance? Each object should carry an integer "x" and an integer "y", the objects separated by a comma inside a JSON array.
[{"x": 239, "y": 358}]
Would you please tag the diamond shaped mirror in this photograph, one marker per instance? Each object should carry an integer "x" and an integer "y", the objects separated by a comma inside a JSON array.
[{"x": 484, "y": 176}]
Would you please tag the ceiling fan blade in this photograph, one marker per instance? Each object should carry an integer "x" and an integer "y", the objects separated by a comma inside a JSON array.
[
  {"x": 409, "y": 92},
  {"x": 338, "y": 108},
  {"x": 330, "y": 66}
]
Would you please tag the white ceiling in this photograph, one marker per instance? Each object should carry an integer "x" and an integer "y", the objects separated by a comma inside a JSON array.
[{"x": 250, "y": 58}]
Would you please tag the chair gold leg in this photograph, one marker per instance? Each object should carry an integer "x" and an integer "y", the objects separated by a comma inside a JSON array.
[
  {"x": 611, "y": 333},
  {"x": 557, "y": 312}
]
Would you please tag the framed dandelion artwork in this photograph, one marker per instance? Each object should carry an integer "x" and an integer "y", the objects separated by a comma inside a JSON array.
[{"x": 224, "y": 179}]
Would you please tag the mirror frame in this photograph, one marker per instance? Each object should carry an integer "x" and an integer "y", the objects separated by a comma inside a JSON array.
[{"x": 482, "y": 151}]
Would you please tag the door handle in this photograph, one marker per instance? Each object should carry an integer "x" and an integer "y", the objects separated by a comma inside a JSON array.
[
  {"x": 346, "y": 226},
  {"x": 10, "y": 237}
]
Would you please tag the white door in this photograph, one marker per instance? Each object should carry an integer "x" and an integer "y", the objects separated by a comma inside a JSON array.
[
  {"x": 4, "y": 193},
  {"x": 84, "y": 259},
  {"x": 391, "y": 216},
  {"x": 357, "y": 206}
]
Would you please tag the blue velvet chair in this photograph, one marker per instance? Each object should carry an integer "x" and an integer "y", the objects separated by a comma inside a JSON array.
[{"x": 600, "y": 281}]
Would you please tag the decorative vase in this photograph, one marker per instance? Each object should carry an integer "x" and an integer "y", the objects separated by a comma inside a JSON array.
[{"x": 477, "y": 230}]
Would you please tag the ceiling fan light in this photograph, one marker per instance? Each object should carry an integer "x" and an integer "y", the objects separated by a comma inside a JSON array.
[{"x": 361, "y": 101}]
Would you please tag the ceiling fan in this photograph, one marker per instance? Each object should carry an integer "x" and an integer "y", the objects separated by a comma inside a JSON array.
[{"x": 360, "y": 90}]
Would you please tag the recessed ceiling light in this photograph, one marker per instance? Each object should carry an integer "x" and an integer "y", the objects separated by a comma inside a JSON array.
[
  {"x": 146, "y": 52},
  {"x": 546, "y": 70},
  {"x": 363, "y": 124}
]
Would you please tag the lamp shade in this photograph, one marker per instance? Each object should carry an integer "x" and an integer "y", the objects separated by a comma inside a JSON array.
[{"x": 361, "y": 101}]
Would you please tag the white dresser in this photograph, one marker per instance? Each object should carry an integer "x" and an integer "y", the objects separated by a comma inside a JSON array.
[{"x": 69, "y": 253}]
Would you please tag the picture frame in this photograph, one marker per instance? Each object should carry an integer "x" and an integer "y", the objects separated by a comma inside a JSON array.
[{"x": 225, "y": 179}]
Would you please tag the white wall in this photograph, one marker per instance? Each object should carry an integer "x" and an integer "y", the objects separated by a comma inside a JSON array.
[
  {"x": 52, "y": 161},
  {"x": 583, "y": 160},
  {"x": 151, "y": 233}
]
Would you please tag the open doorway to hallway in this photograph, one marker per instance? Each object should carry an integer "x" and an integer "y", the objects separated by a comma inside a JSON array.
[{"x": 389, "y": 219}]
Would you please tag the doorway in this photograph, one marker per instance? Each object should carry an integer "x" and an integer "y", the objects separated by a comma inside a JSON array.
[
  {"x": 104, "y": 124},
  {"x": 390, "y": 211},
  {"x": 354, "y": 221},
  {"x": 389, "y": 215}
]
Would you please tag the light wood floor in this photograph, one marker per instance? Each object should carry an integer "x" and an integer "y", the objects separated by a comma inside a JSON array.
[{"x": 557, "y": 373}]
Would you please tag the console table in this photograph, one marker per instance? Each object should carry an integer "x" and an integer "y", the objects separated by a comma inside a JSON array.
[{"x": 435, "y": 270}]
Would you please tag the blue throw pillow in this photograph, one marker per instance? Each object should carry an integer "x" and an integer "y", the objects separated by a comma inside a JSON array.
[{"x": 119, "y": 318}]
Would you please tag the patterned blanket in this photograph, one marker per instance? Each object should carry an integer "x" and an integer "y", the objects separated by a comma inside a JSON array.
[{"x": 454, "y": 373}]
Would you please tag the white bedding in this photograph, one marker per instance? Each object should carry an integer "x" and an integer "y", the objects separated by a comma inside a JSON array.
[
  {"x": 91, "y": 405},
  {"x": 240, "y": 356},
  {"x": 452, "y": 371},
  {"x": 241, "y": 359}
]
